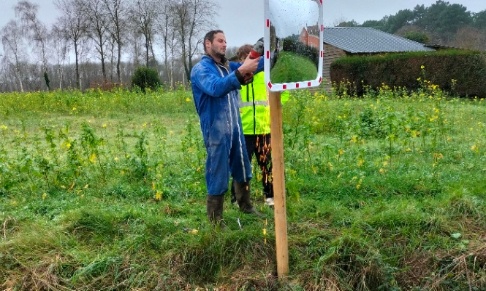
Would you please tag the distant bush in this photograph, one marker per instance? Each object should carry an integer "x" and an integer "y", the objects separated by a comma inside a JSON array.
[
  {"x": 459, "y": 72},
  {"x": 145, "y": 77},
  {"x": 417, "y": 36}
]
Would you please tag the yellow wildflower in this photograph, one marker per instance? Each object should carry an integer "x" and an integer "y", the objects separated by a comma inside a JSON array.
[
  {"x": 330, "y": 166},
  {"x": 158, "y": 195},
  {"x": 475, "y": 148}
]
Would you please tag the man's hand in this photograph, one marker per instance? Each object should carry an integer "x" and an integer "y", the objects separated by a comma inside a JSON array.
[
  {"x": 249, "y": 66},
  {"x": 245, "y": 72}
]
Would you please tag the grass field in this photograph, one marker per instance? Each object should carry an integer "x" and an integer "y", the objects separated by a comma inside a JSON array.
[{"x": 105, "y": 191}]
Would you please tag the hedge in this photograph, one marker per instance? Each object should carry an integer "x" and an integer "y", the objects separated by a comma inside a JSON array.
[{"x": 459, "y": 72}]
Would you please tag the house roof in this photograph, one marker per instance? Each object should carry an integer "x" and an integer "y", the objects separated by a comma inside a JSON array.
[{"x": 369, "y": 40}]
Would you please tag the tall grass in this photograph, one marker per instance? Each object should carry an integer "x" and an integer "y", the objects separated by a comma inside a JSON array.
[{"x": 105, "y": 190}]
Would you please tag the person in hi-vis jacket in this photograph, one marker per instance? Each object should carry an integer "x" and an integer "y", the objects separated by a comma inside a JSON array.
[{"x": 255, "y": 118}]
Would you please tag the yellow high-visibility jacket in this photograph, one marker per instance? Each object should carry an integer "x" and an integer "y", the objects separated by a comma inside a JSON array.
[{"x": 254, "y": 109}]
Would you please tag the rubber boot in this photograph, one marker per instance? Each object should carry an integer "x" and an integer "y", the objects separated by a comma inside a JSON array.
[
  {"x": 242, "y": 194},
  {"x": 214, "y": 207}
]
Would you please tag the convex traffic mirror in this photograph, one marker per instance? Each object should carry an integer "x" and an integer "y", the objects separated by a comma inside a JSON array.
[{"x": 293, "y": 44}]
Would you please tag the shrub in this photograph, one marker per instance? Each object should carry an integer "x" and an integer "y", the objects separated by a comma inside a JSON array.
[{"x": 145, "y": 77}]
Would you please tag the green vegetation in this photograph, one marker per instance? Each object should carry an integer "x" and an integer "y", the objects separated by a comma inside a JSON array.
[
  {"x": 459, "y": 72},
  {"x": 146, "y": 78},
  {"x": 105, "y": 191},
  {"x": 293, "y": 68}
]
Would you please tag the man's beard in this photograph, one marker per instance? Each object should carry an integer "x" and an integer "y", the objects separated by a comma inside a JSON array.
[{"x": 220, "y": 55}]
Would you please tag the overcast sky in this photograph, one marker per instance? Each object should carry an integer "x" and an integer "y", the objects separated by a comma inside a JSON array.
[{"x": 243, "y": 21}]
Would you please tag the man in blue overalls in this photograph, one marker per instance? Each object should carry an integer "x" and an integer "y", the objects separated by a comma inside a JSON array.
[{"x": 215, "y": 84}]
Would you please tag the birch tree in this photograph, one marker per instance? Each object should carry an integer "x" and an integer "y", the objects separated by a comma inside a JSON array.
[
  {"x": 36, "y": 31},
  {"x": 13, "y": 48}
]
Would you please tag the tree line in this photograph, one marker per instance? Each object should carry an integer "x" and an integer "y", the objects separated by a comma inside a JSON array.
[
  {"x": 108, "y": 40},
  {"x": 441, "y": 24}
]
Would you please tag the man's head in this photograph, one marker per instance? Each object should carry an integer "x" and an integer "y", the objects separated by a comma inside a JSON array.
[{"x": 215, "y": 44}]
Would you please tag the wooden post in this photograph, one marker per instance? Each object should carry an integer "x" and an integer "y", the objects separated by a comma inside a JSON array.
[{"x": 279, "y": 185}]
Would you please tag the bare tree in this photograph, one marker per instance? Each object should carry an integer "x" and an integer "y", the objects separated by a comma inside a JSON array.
[
  {"x": 134, "y": 39},
  {"x": 470, "y": 38},
  {"x": 12, "y": 42},
  {"x": 165, "y": 27},
  {"x": 74, "y": 27},
  {"x": 90, "y": 69},
  {"x": 97, "y": 28},
  {"x": 116, "y": 10},
  {"x": 60, "y": 47},
  {"x": 192, "y": 18},
  {"x": 143, "y": 15},
  {"x": 37, "y": 31}
]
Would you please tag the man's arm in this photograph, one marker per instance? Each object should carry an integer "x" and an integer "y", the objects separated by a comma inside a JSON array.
[
  {"x": 244, "y": 71},
  {"x": 211, "y": 83}
]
